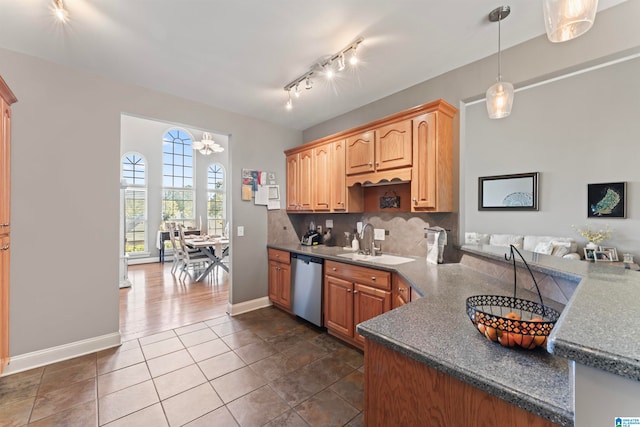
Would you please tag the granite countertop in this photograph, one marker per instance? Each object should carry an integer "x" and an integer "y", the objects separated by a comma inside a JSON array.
[
  {"x": 600, "y": 319},
  {"x": 436, "y": 331}
]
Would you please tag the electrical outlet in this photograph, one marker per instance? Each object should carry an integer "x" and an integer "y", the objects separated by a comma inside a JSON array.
[
  {"x": 378, "y": 233},
  {"x": 240, "y": 230},
  {"x": 328, "y": 223}
]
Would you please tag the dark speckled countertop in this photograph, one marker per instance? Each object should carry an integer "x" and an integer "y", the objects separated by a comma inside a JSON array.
[{"x": 436, "y": 331}]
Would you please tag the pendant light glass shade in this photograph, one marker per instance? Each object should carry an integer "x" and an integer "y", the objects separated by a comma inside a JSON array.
[
  {"x": 567, "y": 19},
  {"x": 499, "y": 100}
]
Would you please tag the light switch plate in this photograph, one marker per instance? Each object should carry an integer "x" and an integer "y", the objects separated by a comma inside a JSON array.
[
  {"x": 240, "y": 230},
  {"x": 378, "y": 233},
  {"x": 328, "y": 223}
]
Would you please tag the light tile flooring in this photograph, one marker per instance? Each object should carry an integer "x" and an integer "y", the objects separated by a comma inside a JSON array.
[{"x": 263, "y": 368}]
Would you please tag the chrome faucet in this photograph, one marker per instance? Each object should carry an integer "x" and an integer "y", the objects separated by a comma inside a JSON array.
[{"x": 369, "y": 245}]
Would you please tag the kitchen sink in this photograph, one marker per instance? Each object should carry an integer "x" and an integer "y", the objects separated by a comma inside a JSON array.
[{"x": 383, "y": 259}]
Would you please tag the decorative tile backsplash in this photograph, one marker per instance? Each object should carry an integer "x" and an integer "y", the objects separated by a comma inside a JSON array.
[{"x": 406, "y": 231}]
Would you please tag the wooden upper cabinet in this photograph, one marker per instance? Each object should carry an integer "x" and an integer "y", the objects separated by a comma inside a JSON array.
[
  {"x": 305, "y": 189},
  {"x": 337, "y": 176},
  {"x": 393, "y": 148},
  {"x": 293, "y": 161},
  {"x": 360, "y": 156},
  {"x": 321, "y": 173},
  {"x": 432, "y": 173}
]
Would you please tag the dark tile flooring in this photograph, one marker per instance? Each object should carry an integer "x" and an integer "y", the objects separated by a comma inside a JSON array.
[{"x": 263, "y": 368}]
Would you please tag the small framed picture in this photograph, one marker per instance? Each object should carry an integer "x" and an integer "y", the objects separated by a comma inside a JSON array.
[
  {"x": 602, "y": 256},
  {"x": 589, "y": 254},
  {"x": 613, "y": 253}
]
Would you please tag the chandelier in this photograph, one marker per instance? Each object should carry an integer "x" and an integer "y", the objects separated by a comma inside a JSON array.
[{"x": 207, "y": 145}]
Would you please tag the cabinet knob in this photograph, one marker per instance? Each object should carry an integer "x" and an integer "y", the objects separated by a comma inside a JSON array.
[
  {"x": 5, "y": 248},
  {"x": 348, "y": 290},
  {"x": 415, "y": 201},
  {"x": 5, "y": 225},
  {"x": 370, "y": 164},
  {"x": 355, "y": 292},
  {"x": 377, "y": 163},
  {"x": 400, "y": 289},
  {"x": 334, "y": 269},
  {"x": 373, "y": 277}
]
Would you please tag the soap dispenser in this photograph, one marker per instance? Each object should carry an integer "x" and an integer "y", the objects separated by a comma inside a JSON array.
[{"x": 355, "y": 245}]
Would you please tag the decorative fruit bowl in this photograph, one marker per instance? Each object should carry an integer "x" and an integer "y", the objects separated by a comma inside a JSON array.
[{"x": 511, "y": 321}]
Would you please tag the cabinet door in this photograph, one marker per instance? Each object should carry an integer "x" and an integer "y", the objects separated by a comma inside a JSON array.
[
  {"x": 338, "y": 182},
  {"x": 394, "y": 146},
  {"x": 423, "y": 179},
  {"x": 321, "y": 177},
  {"x": 292, "y": 182},
  {"x": 274, "y": 280},
  {"x": 400, "y": 292},
  {"x": 305, "y": 199},
  {"x": 338, "y": 303},
  {"x": 5, "y": 167},
  {"x": 4, "y": 300},
  {"x": 368, "y": 303},
  {"x": 360, "y": 153},
  {"x": 284, "y": 289}
]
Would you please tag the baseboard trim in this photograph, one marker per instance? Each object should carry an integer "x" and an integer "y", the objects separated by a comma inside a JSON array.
[
  {"x": 24, "y": 362},
  {"x": 246, "y": 306}
]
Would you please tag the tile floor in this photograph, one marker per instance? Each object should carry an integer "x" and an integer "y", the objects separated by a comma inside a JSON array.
[{"x": 263, "y": 368}]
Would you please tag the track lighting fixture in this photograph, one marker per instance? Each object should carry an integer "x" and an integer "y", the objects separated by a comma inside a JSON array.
[
  {"x": 329, "y": 67},
  {"x": 59, "y": 11}
]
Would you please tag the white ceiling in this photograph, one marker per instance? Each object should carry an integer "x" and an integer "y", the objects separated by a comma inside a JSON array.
[{"x": 238, "y": 55}]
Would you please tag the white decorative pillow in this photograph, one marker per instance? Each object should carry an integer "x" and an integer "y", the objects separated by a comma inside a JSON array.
[
  {"x": 472, "y": 238},
  {"x": 506, "y": 240},
  {"x": 560, "y": 248},
  {"x": 545, "y": 248}
]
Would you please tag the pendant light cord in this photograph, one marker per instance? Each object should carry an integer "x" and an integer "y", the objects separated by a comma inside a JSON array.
[{"x": 499, "y": 48}]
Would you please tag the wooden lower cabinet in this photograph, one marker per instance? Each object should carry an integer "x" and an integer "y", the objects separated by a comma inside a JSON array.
[
  {"x": 399, "y": 391},
  {"x": 280, "y": 278},
  {"x": 353, "y": 294}
]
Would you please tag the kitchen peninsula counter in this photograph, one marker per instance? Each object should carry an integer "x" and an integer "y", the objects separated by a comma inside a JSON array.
[{"x": 436, "y": 331}]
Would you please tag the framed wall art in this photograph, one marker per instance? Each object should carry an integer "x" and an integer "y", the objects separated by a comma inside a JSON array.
[
  {"x": 508, "y": 192},
  {"x": 606, "y": 200}
]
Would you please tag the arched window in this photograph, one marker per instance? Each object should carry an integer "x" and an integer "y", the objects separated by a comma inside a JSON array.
[
  {"x": 216, "y": 199},
  {"x": 135, "y": 203},
  {"x": 178, "y": 192}
]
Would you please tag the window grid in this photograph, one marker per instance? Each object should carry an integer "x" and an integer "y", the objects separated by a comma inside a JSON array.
[
  {"x": 216, "y": 199},
  {"x": 177, "y": 178},
  {"x": 135, "y": 203}
]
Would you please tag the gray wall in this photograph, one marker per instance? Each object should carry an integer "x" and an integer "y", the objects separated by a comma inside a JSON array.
[
  {"x": 614, "y": 35},
  {"x": 579, "y": 130},
  {"x": 65, "y": 196}
]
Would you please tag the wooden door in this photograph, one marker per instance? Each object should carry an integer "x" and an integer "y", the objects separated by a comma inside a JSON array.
[
  {"x": 424, "y": 172},
  {"x": 5, "y": 167},
  {"x": 394, "y": 146},
  {"x": 305, "y": 198},
  {"x": 360, "y": 153},
  {"x": 4, "y": 299},
  {"x": 338, "y": 303},
  {"x": 400, "y": 292},
  {"x": 284, "y": 288},
  {"x": 338, "y": 181},
  {"x": 321, "y": 177},
  {"x": 274, "y": 281},
  {"x": 368, "y": 302},
  {"x": 292, "y": 182}
]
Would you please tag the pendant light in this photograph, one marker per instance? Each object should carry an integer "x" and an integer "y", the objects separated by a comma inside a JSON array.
[
  {"x": 567, "y": 19},
  {"x": 207, "y": 145},
  {"x": 500, "y": 95}
]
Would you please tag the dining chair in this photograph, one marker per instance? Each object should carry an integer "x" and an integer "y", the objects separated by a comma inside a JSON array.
[
  {"x": 178, "y": 254},
  {"x": 190, "y": 257}
]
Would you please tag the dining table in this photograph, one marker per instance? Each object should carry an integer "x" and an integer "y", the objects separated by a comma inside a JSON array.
[{"x": 214, "y": 247}]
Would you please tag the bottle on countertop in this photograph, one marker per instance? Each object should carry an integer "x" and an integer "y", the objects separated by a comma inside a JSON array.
[{"x": 355, "y": 245}]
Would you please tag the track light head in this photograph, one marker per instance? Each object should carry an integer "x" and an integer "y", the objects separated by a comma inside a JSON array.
[{"x": 308, "y": 83}]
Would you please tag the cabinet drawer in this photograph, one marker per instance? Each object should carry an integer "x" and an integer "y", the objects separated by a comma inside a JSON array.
[
  {"x": 280, "y": 256},
  {"x": 357, "y": 274}
]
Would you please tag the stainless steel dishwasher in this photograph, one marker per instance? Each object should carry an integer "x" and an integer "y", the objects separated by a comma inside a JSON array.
[{"x": 306, "y": 287}]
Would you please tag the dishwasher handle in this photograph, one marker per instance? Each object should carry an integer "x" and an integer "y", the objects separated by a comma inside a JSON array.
[{"x": 308, "y": 259}]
